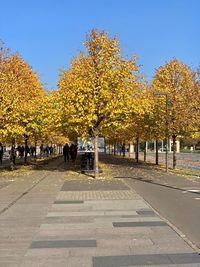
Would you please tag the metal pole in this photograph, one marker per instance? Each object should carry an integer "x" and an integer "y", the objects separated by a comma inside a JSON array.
[
  {"x": 166, "y": 134},
  {"x": 166, "y": 126}
]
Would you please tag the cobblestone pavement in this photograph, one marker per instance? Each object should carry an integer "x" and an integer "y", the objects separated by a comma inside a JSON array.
[{"x": 58, "y": 217}]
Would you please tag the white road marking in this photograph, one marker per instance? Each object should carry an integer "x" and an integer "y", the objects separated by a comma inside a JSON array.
[{"x": 191, "y": 190}]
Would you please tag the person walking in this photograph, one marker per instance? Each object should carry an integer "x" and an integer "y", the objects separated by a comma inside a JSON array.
[
  {"x": 1, "y": 153},
  {"x": 73, "y": 152},
  {"x": 66, "y": 150},
  {"x": 13, "y": 154}
]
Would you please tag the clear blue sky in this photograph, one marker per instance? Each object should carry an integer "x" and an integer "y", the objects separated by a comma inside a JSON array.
[{"x": 48, "y": 33}]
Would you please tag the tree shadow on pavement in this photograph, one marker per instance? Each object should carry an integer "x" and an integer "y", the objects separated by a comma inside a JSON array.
[{"x": 129, "y": 162}]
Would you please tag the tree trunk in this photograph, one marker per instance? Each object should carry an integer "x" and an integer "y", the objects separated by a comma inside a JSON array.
[
  {"x": 12, "y": 155},
  {"x": 96, "y": 154},
  {"x": 137, "y": 150},
  {"x": 26, "y": 148},
  {"x": 174, "y": 151},
  {"x": 114, "y": 149},
  {"x": 145, "y": 151},
  {"x": 156, "y": 152},
  {"x": 13, "y": 142},
  {"x": 35, "y": 154},
  {"x": 124, "y": 149}
]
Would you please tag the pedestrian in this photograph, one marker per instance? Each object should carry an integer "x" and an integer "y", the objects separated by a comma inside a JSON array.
[
  {"x": 27, "y": 150},
  {"x": 1, "y": 152},
  {"x": 73, "y": 152},
  {"x": 47, "y": 150},
  {"x": 32, "y": 150},
  {"x": 51, "y": 150},
  {"x": 66, "y": 151},
  {"x": 22, "y": 149},
  {"x": 13, "y": 154},
  {"x": 41, "y": 150}
]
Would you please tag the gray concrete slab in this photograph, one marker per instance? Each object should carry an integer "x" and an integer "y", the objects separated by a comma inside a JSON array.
[
  {"x": 145, "y": 212},
  {"x": 139, "y": 224},
  {"x": 145, "y": 259},
  {"x": 63, "y": 244}
]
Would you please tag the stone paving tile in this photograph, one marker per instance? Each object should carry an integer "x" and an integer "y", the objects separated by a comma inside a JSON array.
[
  {"x": 63, "y": 244},
  {"x": 145, "y": 212},
  {"x": 46, "y": 262},
  {"x": 123, "y": 250},
  {"x": 48, "y": 253},
  {"x": 83, "y": 261},
  {"x": 159, "y": 249},
  {"x": 117, "y": 204},
  {"x": 87, "y": 195},
  {"x": 123, "y": 242},
  {"x": 75, "y": 213},
  {"x": 36, "y": 200},
  {"x": 69, "y": 202},
  {"x": 63, "y": 207},
  {"x": 149, "y": 259},
  {"x": 78, "y": 219},
  {"x": 73, "y": 226},
  {"x": 140, "y": 224}
]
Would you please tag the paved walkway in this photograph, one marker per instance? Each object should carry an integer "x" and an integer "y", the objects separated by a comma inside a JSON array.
[
  {"x": 187, "y": 161},
  {"x": 55, "y": 217}
]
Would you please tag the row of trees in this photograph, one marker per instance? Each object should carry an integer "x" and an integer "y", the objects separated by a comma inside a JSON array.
[
  {"x": 102, "y": 93},
  {"x": 26, "y": 107}
]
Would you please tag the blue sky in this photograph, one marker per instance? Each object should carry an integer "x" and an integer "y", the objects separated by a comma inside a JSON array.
[{"x": 48, "y": 33}]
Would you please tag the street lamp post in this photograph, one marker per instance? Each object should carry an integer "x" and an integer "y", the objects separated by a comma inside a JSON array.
[{"x": 166, "y": 125}]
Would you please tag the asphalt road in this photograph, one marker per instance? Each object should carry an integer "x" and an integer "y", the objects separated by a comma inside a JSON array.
[{"x": 174, "y": 200}]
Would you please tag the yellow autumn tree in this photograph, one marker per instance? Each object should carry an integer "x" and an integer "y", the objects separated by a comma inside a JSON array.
[
  {"x": 21, "y": 93},
  {"x": 3, "y": 57},
  {"x": 52, "y": 132},
  {"x": 137, "y": 127},
  {"x": 179, "y": 82},
  {"x": 99, "y": 88}
]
